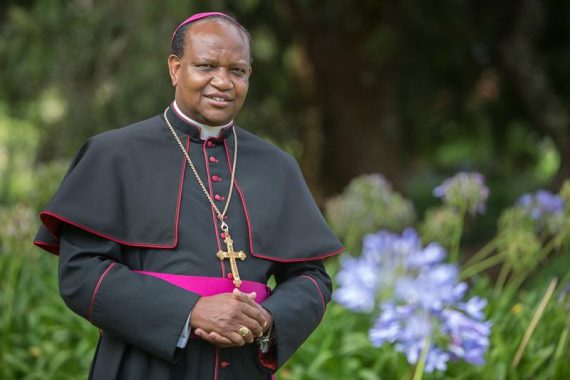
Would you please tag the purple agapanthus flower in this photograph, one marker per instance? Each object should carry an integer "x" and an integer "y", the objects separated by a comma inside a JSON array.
[
  {"x": 469, "y": 337},
  {"x": 541, "y": 204},
  {"x": 418, "y": 297},
  {"x": 464, "y": 191},
  {"x": 358, "y": 283}
]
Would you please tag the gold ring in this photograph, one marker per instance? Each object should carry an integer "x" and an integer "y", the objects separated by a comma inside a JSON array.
[{"x": 243, "y": 331}]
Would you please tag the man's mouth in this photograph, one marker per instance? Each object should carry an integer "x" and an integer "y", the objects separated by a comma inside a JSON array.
[{"x": 220, "y": 98}]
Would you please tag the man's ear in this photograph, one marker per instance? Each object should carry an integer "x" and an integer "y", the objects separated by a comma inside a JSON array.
[{"x": 174, "y": 68}]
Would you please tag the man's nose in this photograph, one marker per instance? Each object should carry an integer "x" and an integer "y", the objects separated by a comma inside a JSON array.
[{"x": 222, "y": 79}]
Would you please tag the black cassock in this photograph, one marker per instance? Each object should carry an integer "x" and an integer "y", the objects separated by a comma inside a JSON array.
[{"x": 129, "y": 203}]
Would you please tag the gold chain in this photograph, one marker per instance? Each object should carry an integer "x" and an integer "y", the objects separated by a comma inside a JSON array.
[{"x": 223, "y": 225}]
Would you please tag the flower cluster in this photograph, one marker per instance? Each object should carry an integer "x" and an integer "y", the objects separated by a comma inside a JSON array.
[
  {"x": 441, "y": 224},
  {"x": 545, "y": 208},
  {"x": 541, "y": 204},
  {"x": 419, "y": 298},
  {"x": 464, "y": 191},
  {"x": 368, "y": 204}
]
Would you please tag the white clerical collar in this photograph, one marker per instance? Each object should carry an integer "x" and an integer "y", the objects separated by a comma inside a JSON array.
[{"x": 207, "y": 131}]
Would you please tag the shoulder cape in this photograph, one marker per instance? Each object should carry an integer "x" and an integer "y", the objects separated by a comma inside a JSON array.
[{"x": 125, "y": 185}]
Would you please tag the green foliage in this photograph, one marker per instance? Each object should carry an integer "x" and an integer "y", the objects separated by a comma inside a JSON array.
[
  {"x": 18, "y": 142},
  {"x": 340, "y": 349},
  {"x": 39, "y": 337},
  {"x": 563, "y": 235}
]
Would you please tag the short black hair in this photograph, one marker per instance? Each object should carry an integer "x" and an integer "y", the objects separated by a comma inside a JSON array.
[{"x": 177, "y": 47}]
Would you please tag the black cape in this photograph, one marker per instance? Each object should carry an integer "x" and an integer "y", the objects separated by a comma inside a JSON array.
[{"x": 128, "y": 203}]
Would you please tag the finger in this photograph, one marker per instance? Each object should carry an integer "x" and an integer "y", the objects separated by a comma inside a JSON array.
[
  {"x": 248, "y": 298},
  {"x": 236, "y": 339},
  {"x": 214, "y": 338},
  {"x": 202, "y": 334},
  {"x": 230, "y": 333},
  {"x": 257, "y": 314},
  {"x": 252, "y": 309},
  {"x": 249, "y": 337},
  {"x": 221, "y": 340},
  {"x": 252, "y": 325}
]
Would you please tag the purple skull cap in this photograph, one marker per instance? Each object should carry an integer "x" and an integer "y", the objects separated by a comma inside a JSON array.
[{"x": 199, "y": 16}]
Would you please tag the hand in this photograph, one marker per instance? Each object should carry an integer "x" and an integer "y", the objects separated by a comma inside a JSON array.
[
  {"x": 250, "y": 299},
  {"x": 218, "y": 318}
]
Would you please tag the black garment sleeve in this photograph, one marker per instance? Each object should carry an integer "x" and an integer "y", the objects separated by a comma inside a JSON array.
[
  {"x": 297, "y": 304},
  {"x": 144, "y": 311}
]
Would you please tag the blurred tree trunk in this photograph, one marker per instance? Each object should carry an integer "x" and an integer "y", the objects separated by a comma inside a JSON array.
[
  {"x": 312, "y": 134},
  {"x": 358, "y": 124},
  {"x": 538, "y": 94}
]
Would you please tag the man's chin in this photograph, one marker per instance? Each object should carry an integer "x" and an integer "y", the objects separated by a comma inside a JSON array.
[{"x": 218, "y": 120}]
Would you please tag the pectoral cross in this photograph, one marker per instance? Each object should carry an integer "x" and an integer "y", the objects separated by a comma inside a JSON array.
[{"x": 232, "y": 256}]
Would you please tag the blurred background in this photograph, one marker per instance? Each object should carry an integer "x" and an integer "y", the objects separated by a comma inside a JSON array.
[{"x": 415, "y": 90}]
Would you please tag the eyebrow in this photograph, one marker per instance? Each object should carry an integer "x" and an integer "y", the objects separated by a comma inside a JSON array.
[{"x": 214, "y": 60}]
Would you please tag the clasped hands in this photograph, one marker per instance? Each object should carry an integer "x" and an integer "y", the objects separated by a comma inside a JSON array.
[{"x": 219, "y": 318}]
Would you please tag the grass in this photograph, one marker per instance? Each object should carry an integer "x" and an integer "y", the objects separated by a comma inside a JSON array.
[{"x": 39, "y": 337}]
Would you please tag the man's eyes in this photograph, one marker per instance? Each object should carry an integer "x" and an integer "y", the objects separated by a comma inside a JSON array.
[
  {"x": 238, "y": 70},
  {"x": 209, "y": 66}
]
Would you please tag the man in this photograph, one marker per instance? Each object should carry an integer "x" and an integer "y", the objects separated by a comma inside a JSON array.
[{"x": 173, "y": 226}]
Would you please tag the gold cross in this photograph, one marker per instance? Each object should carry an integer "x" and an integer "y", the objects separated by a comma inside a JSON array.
[{"x": 232, "y": 256}]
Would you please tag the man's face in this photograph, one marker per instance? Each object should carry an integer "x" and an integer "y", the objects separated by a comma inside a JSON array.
[{"x": 212, "y": 77}]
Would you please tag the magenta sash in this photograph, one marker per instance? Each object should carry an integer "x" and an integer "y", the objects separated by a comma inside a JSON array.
[{"x": 209, "y": 286}]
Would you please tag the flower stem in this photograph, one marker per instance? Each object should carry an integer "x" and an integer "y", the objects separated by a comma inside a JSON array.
[
  {"x": 482, "y": 253},
  {"x": 534, "y": 322},
  {"x": 456, "y": 242},
  {"x": 480, "y": 266},
  {"x": 561, "y": 344},
  {"x": 420, "y": 367},
  {"x": 503, "y": 274},
  {"x": 519, "y": 279}
]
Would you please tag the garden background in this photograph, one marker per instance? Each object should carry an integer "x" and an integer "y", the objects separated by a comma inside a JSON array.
[{"x": 413, "y": 90}]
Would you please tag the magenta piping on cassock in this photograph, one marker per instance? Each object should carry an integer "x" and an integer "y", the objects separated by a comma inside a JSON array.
[
  {"x": 209, "y": 286},
  {"x": 52, "y": 222},
  {"x": 250, "y": 231},
  {"x": 184, "y": 120},
  {"x": 319, "y": 290},
  {"x": 50, "y": 247},
  {"x": 90, "y": 311}
]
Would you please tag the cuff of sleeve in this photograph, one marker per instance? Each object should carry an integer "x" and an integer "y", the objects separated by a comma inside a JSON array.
[
  {"x": 266, "y": 354},
  {"x": 267, "y": 361},
  {"x": 183, "y": 340}
]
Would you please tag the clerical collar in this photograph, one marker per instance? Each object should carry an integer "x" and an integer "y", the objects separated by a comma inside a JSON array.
[{"x": 197, "y": 131}]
